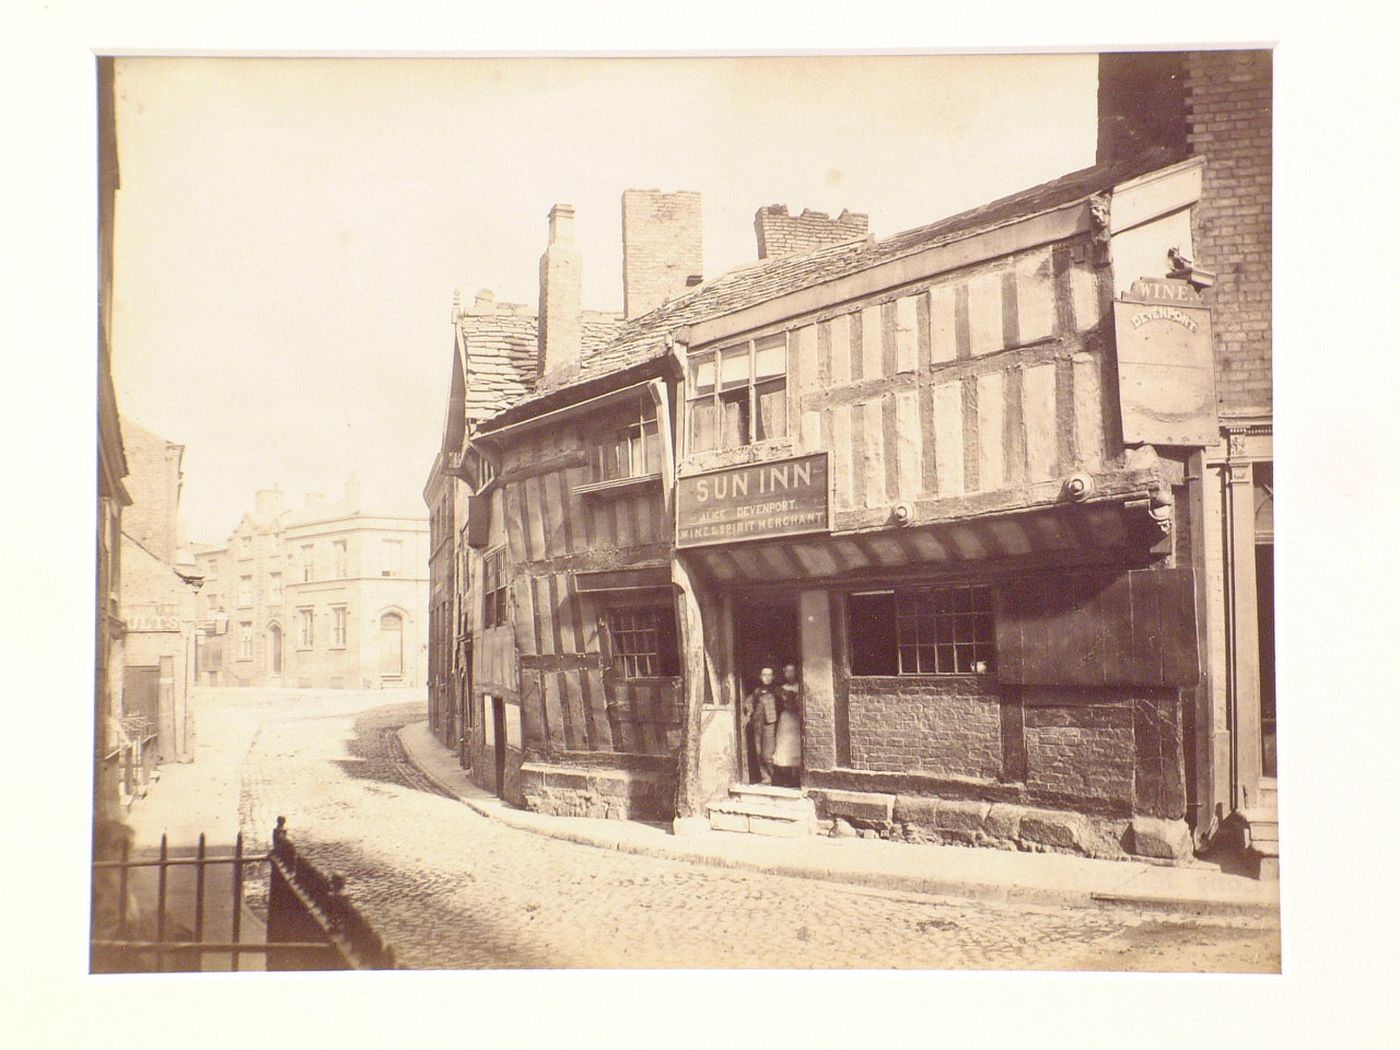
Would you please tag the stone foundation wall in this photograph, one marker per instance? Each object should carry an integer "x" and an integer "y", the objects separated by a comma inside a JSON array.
[
  {"x": 946, "y": 726},
  {"x": 999, "y": 825},
  {"x": 1079, "y": 743},
  {"x": 610, "y": 794}
]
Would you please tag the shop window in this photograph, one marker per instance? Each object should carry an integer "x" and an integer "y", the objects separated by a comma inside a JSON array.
[
  {"x": 494, "y": 589},
  {"x": 634, "y": 450},
  {"x": 923, "y": 631},
  {"x": 644, "y": 641},
  {"x": 738, "y": 395}
]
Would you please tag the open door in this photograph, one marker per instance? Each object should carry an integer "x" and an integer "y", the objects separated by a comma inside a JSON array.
[{"x": 767, "y": 634}]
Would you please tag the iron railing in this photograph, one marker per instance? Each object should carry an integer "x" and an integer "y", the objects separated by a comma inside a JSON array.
[{"x": 311, "y": 925}]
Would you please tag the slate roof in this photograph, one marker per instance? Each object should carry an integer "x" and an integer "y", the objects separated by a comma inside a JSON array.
[
  {"x": 642, "y": 339},
  {"x": 501, "y": 354}
]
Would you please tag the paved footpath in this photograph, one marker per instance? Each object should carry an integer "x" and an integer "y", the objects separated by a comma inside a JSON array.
[{"x": 450, "y": 887}]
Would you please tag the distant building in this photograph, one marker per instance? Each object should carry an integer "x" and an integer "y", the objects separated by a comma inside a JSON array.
[
  {"x": 158, "y": 604},
  {"x": 325, "y": 596}
]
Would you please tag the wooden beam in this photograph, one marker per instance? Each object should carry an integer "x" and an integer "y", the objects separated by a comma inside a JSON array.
[{"x": 689, "y": 797}]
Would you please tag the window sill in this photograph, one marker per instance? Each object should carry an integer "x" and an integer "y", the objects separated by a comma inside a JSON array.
[{"x": 615, "y": 487}]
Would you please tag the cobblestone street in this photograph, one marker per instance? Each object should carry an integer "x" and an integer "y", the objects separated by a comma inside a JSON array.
[{"x": 449, "y": 888}]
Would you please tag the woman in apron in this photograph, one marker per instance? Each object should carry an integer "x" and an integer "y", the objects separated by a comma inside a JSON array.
[{"x": 787, "y": 750}]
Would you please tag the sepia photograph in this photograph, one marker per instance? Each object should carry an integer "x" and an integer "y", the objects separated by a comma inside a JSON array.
[{"x": 780, "y": 512}]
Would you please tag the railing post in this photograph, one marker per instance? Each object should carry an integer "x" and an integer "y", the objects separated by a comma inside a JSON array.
[
  {"x": 237, "y": 917},
  {"x": 199, "y": 893},
  {"x": 160, "y": 904}
]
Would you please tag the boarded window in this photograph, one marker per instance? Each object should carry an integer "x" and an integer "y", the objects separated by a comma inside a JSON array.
[{"x": 1099, "y": 629}]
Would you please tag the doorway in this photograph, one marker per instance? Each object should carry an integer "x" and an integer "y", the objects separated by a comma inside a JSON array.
[
  {"x": 767, "y": 633},
  {"x": 498, "y": 724},
  {"x": 274, "y": 649},
  {"x": 391, "y": 645}
]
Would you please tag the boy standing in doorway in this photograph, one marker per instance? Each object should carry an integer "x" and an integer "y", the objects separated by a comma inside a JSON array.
[{"x": 761, "y": 715}]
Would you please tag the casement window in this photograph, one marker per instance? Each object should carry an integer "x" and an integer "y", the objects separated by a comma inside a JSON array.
[
  {"x": 391, "y": 557},
  {"x": 338, "y": 621},
  {"x": 245, "y": 591},
  {"x": 308, "y": 562},
  {"x": 643, "y": 639},
  {"x": 633, "y": 450},
  {"x": 493, "y": 586},
  {"x": 245, "y": 640},
  {"x": 306, "y": 628},
  {"x": 922, "y": 631},
  {"x": 738, "y": 394},
  {"x": 274, "y": 587},
  {"x": 341, "y": 553}
]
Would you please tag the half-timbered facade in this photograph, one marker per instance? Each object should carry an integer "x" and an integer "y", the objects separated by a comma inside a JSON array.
[{"x": 921, "y": 469}]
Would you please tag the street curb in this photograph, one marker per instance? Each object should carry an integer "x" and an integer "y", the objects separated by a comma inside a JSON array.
[{"x": 959, "y": 888}]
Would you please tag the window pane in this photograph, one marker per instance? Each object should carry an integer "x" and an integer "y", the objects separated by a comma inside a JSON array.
[
  {"x": 772, "y": 410},
  {"x": 702, "y": 426},
  {"x": 702, "y": 375},
  {"x": 735, "y": 426},
  {"x": 770, "y": 357},
  {"x": 871, "y": 624},
  {"x": 734, "y": 368}
]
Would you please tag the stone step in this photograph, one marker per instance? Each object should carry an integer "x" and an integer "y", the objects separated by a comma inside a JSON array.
[
  {"x": 738, "y": 789},
  {"x": 757, "y": 817}
]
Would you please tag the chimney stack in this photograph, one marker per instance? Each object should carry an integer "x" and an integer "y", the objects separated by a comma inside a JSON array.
[
  {"x": 561, "y": 300},
  {"x": 662, "y": 254},
  {"x": 782, "y": 234},
  {"x": 269, "y": 501}
]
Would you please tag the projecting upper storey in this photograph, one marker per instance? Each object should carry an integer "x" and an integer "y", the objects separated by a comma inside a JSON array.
[
  {"x": 782, "y": 289},
  {"x": 968, "y": 369}
]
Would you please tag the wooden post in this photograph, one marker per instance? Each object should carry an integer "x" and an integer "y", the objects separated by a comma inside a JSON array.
[
  {"x": 1244, "y": 633},
  {"x": 690, "y": 805}
]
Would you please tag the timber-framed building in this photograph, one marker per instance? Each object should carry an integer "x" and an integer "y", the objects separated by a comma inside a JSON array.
[{"x": 957, "y": 475}]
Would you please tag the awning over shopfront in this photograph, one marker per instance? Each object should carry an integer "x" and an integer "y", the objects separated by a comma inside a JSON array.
[{"x": 1107, "y": 532}]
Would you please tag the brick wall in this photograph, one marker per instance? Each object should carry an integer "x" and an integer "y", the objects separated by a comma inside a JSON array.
[
  {"x": 153, "y": 480},
  {"x": 661, "y": 247},
  {"x": 1079, "y": 743},
  {"x": 946, "y": 727},
  {"x": 1230, "y": 123},
  {"x": 782, "y": 234}
]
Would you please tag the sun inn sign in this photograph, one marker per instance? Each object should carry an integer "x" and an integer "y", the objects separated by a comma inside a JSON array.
[{"x": 756, "y": 501}]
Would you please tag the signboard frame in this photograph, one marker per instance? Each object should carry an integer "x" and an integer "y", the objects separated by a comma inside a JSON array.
[
  {"x": 1166, "y": 365},
  {"x": 765, "y": 500}
]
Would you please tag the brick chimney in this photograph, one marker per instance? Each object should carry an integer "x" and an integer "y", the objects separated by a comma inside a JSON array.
[
  {"x": 782, "y": 234},
  {"x": 561, "y": 300},
  {"x": 1143, "y": 105},
  {"x": 662, "y": 254}
]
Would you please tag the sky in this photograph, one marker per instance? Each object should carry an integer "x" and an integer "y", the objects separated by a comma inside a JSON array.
[{"x": 290, "y": 232}]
